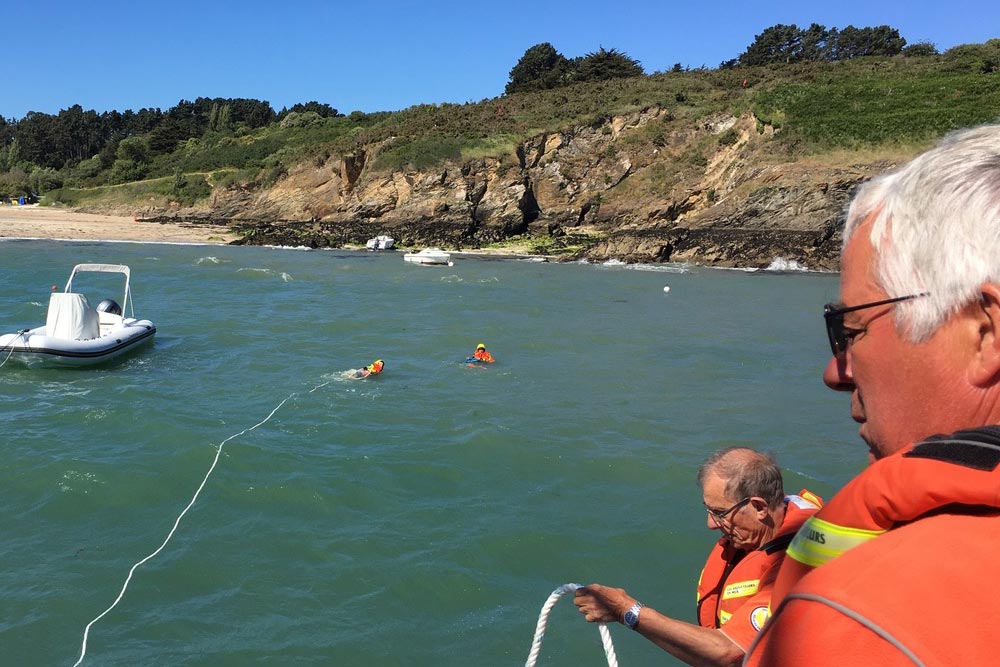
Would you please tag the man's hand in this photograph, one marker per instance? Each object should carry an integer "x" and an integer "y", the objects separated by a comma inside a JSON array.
[{"x": 602, "y": 604}]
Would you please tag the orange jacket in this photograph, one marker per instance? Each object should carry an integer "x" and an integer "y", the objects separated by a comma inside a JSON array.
[
  {"x": 904, "y": 550},
  {"x": 734, "y": 589},
  {"x": 484, "y": 356}
]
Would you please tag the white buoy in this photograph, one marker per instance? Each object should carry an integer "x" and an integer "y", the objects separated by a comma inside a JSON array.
[{"x": 666, "y": 288}]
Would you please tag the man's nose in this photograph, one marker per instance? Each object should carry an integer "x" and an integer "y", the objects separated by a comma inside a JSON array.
[{"x": 837, "y": 374}]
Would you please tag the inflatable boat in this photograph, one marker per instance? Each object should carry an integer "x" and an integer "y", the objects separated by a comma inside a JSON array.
[{"x": 76, "y": 333}]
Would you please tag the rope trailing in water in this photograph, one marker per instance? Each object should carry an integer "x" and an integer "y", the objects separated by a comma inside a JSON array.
[
  {"x": 218, "y": 453},
  {"x": 543, "y": 620}
]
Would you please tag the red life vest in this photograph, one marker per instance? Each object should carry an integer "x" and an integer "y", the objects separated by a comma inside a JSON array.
[
  {"x": 735, "y": 586},
  {"x": 941, "y": 472},
  {"x": 915, "y": 595}
]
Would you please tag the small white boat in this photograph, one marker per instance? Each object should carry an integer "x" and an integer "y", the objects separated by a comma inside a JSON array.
[
  {"x": 380, "y": 242},
  {"x": 428, "y": 257},
  {"x": 76, "y": 333}
]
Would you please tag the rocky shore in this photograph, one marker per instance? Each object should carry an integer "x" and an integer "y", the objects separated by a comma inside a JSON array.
[{"x": 594, "y": 192}]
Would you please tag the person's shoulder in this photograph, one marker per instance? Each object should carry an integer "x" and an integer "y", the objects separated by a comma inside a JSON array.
[
  {"x": 919, "y": 586},
  {"x": 916, "y": 547}
]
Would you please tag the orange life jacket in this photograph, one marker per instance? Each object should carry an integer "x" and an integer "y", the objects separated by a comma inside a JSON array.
[
  {"x": 942, "y": 472},
  {"x": 734, "y": 587},
  {"x": 483, "y": 355}
]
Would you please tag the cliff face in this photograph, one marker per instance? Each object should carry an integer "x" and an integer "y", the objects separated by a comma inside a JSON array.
[{"x": 628, "y": 187}]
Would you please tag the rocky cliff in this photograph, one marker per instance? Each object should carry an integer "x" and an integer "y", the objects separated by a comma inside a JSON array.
[{"x": 640, "y": 188}]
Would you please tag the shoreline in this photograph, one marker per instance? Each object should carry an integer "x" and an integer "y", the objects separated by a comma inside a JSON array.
[{"x": 34, "y": 222}]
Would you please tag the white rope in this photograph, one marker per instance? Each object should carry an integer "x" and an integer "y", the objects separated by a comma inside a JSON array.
[
  {"x": 543, "y": 619},
  {"x": 121, "y": 594},
  {"x": 10, "y": 348}
]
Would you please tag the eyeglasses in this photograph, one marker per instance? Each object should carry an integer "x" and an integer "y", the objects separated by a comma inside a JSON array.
[
  {"x": 841, "y": 336},
  {"x": 723, "y": 515}
]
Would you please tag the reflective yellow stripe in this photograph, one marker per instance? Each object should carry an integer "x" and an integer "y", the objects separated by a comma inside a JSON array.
[
  {"x": 819, "y": 541},
  {"x": 740, "y": 589},
  {"x": 811, "y": 497},
  {"x": 724, "y": 616}
]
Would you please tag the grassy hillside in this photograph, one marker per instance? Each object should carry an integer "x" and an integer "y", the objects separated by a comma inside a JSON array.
[{"x": 814, "y": 107}]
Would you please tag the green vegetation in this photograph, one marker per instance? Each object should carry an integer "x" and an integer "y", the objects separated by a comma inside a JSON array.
[
  {"x": 814, "y": 106},
  {"x": 542, "y": 68}
]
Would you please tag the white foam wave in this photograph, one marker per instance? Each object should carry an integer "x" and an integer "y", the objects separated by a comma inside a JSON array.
[{"x": 782, "y": 264}]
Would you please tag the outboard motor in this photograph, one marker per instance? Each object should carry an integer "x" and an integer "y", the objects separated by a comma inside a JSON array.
[{"x": 109, "y": 306}]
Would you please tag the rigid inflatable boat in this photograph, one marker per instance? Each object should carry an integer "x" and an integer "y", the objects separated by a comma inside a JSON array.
[{"x": 76, "y": 333}]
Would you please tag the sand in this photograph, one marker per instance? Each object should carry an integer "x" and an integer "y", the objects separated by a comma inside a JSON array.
[{"x": 47, "y": 222}]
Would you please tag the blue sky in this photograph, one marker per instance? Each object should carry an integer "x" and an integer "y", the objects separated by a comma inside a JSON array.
[{"x": 389, "y": 55}]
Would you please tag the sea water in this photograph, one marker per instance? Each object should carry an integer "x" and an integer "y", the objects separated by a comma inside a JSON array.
[{"x": 418, "y": 518}]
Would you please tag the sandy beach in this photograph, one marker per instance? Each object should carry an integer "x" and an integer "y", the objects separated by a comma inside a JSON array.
[{"x": 46, "y": 222}]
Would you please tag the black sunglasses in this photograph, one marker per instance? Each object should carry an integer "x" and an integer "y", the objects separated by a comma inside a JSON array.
[
  {"x": 721, "y": 516},
  {"x": 835, "y": 321}
]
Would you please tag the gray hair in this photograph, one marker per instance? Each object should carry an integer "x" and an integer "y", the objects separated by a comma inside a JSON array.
[
  {"x": 936, "y": 227},
  {"x": 748, "y": 473}
]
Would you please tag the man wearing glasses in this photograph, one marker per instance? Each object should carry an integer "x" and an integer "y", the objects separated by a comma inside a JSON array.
[
  {"x": 744, "y": 497},
  {"x": 898, "y": 569}
]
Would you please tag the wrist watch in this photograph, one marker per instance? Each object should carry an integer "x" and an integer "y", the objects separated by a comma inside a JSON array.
[{"x": 631, "y": 617}]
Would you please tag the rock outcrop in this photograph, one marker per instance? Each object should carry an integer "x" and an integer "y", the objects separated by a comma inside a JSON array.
[{"x": 633, "y": 187}]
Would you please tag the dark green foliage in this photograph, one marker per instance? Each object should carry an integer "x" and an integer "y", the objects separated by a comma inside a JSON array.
[
  {"x": 604, "y": 65},
  {"x": 14, "y": 183},
  {"x": 186, "y": 190},
  {"x": 543, "y": 68},
  {"x": 790, "y": 44},
  {"x": 45, "y": 179},
  {"x": 74, "y": 134},
  {"x": 981, "y": 58},
  {"x": 131, "y": 161},
  {"x": 321, "y": 110},
  {"x": 540, "y": 68},
  {"x": 918, "y": 49}
]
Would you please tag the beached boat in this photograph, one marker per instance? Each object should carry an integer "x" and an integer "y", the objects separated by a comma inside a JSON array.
[
  {"x": 428, "y": 257},
  {"x": 76, "y": 333},
  {"x": 380, "y": 242}
]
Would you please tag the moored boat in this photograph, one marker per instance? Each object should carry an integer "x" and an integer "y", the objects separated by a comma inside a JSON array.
[
  {"x": 428, "y": 257},
  {"x": 380, "y": 242},
  {"x": 78, "y": 334}
]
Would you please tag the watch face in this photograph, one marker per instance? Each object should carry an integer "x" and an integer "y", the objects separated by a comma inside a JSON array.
[{"x": 631, "y": 618}]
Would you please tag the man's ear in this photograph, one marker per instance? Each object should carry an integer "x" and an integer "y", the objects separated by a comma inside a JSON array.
[{"x": 986, "y": 368}]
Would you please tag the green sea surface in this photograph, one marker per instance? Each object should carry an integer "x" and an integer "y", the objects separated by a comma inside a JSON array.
[{"x": 418, "y": 518}]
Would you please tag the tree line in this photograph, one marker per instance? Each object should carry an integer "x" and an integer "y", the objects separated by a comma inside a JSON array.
[
  {"x": 790, "y": 44},
  {"x": 72, "y": 135},
  {"x": 543, "y": 68},
  {"x": 42, "y": 151}
]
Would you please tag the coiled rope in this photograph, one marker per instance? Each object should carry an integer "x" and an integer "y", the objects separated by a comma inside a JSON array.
[{"x": 543, "y": 620}]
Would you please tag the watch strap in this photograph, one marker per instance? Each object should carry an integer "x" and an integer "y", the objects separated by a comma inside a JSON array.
[{"x": 631, "y": 617}]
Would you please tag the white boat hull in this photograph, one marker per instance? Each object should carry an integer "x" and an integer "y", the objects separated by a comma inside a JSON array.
[
  {"x": 77, "y": 334},
  {"x": 428, "y": 257},
  {"x": 381, "y": 242},
  {"x": 35, "y": 348}
]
